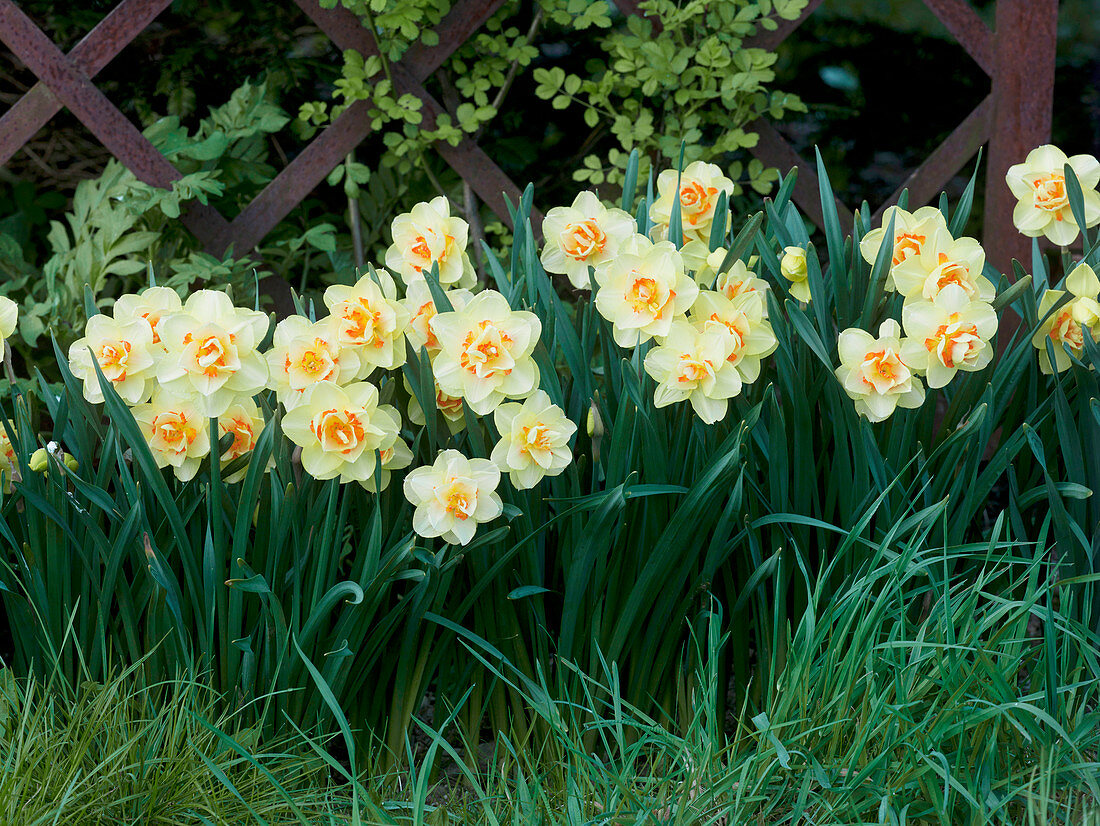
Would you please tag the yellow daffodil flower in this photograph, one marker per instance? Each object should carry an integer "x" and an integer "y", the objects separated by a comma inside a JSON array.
[
  {"x": 700, "y": 184},
  {"x": 693, "y": 365},
  {"x": 1039, "y": 184},
  {"x": 944, "y": 260},
  {"x": 449, "y": 406},
  {"x": 305, "y": 353},
  {"x": 912, "y": 230},
  {"x": 420, "y": 305},
  {"x": 1065, "y": 326},
  {"x": 534, "y": 440},
  {"x": 751, "y": 336},
  {"x": 453, "y": 496},
  {"x": 740, "y": 285},
  {"x": 429, "y": 235},
  {"x": 212, "y": 351},
  {"x": 485, "y": 352},
  {"x": 177, "y": 430},
  {"x": 124, "y": 351},
  {"x": 951, "y": 332},
  {"x": 873, "y": 373},
  {"x": 643, "y": 290},
  {"x": 340, "y": 428},
  {"x": 151, "y": 305},
  {"x": 9, "y": 316},
  {"x": 370, "y": 320},
  {"x": 244, "y": 420},
  {"x": 583, "y": 235},
  {"x": 793, "y": 267}
]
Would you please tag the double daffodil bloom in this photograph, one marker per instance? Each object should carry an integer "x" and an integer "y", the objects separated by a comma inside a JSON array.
[
  {"x": 340, "y": 429},
  {"x": 874, "y": 374},
  {"x": 485, "y": 352},
  {"x": 643, "y": 290},
  {"x": 740, "y": 285},
  {"x": 751, "y": 336},
  {"x": 211, "y": 351},
  {"x": 245, "y": 422},
  {"x": 370, "y": 320},
  {"x": 450, "y": 406},
  {"x": 912, "y": 230},
  {"x": 693, "y": 365},
  {"x": 9, "y": 316},
  {"x": 420, "y": 306},
  {"x": 534, "y": 440},
  {"x": 453, "y": 496},
  {"x": 583, "y": 235},
  {"x": 124, "y": 352},
  {"x": 700, "y": 185},
  {"x": 429, "y": 235},
  {"x": 177, "y": 430},
  {"x": 944, "y": 260},
  {"x": 1065, "y": 327},
  {"x": 305, "y": 353},
  {"x": 793, "y": 267},
  {"x": 951, "y": 332},
  {"x": 1039, "y": 184},
  {"x": 151, "y": 305}
]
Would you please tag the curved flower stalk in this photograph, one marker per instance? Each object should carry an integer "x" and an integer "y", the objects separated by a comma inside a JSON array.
[
  {"x": 124, "y": 352},
  {"x": 534, "y": 440},
  {"x": 1043, "y": 207},
  {"x": 177, "y": 430},
  {"x": 585, "y": 234},
  {"x": 1065, "y": 327},
  {"x": 370, "y": 320},
  {"x": 428, "y": 235},
  {"x": 951, "y": 332},
  {"x": 700, "y": 185},
  {"x": 340, "y": 429},
  {"x": 306, "y": 353},
  {"x": 912, "y": 231},
  {"x": 873, "y": 373},
  {"x": 485, "y": 352},
  {"x": 212, "y": 351},
  {"x": 453, "y": 496},
  {"x": 643, "y": 290}
]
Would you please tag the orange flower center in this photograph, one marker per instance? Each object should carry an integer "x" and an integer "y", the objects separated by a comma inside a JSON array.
[
  {"x": 359, "y": 316},
  {"x": 1050, "y": 191},
  {"x": 906, "y": 245},
  {"x": 338, "y": 430},
  {"x": 952, "y": 272},
  {"x": 535, "y": 437},
  {"x": 953, "y": 341},
  {"x": 458, "y": 503},
  {"x": 153, "y": 318},
  {"x": 484, "y": 349},
  {"x": 243, "y": 441},
  {"x": 644, "y": 296},
  {"x": 1068, "y": 331},
  {"x": 583, "y": 240},
  {"x": 696, "y": 200},
  {"x": 694, "y": 369},
  {"x": 113, "y": 360},
  {"x": 172, "y": 432}
]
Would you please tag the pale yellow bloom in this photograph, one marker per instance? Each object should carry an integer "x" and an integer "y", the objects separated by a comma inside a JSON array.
[
  {"x": 305, "y": 353},
  {"x": 151, "y": 304},
  {"x": 9, "y": 316},
  {"x": 534, "y": 440},
  {"x": 793, "y": 267},
  {"x": 453, "y": 496},
  {"x": 742, "y": 287},
  {"x": 429, "y": 235},
  {"x": 700, "y": 185},
  {"x": 485, "y": 352},
  {"x": 751, "y": 337},
  {"x": 420, "y": 305},
  {"x": 583, "y": 235},
  {"x": 944, "y": 260},
  {"x": 211, "y": 351},
  {"x": 244, "y": 420},
  {"x": 1065, "y": 327},
  {"x": 450, "y": 406},
  {"x": 340, "y": 428},
  {"x": 1039, "y": 184},
  {"x": 693, "y": 365},
  {"x": 873, "y": 373},
  {"x": 643, "y": 290},
  {"x": 370, "y": 320},
  {"x": 951, "y": 332},
  {"x": 177, "y": 430},
  {"x": 39, "y": 461},
  {"x": 912, "y": 230},
  {"x": 124, "y": 351}
]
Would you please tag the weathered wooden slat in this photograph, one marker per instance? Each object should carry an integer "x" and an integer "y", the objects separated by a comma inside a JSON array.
[{"x": 959, "y": 18}]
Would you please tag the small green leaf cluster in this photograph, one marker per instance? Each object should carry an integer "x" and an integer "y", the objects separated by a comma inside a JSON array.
[{"x": 682, "y": 73}]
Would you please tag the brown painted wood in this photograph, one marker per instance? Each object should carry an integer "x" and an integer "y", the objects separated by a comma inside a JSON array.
[{"x": 959, "y": 17}]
